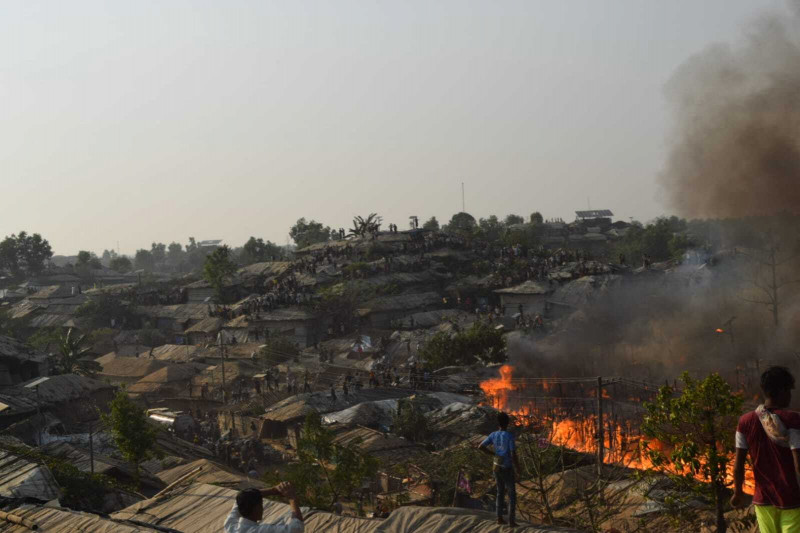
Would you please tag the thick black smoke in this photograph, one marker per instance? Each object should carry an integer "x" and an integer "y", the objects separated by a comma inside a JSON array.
[{"x": 736, "y": 145}]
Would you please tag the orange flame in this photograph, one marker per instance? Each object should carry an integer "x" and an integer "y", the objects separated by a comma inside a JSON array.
[
  {"x": 720, "y": 330},
  {"x": 620, "y": 443}
]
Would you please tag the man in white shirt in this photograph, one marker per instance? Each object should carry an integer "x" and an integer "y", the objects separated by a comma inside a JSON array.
[{"x": 248, "y": 511}]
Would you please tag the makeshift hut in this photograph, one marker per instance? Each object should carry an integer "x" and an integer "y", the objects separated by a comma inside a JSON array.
[
  {"x": 205, "y": 331},
  {"x": 21, "y": 478},
  {"x": 530, "y": 296},
  {"x": 60, "y": 520},
  {"x": 206, "y": 471},
  {"x": 18, "y": 362},
  {"x": 170, "y": 381},
  {"x": 380, "y": 312},
  {"x": 118, "y": 370},
  {"x": 300, "y": 325}
]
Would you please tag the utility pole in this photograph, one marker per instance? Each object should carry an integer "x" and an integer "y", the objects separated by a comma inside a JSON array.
[
  {"x": 39, "y": 415},
  {"x": 91, "y": 447},
  {"x": 222, "y": 356},
  {"x": 600, "y": 439}
]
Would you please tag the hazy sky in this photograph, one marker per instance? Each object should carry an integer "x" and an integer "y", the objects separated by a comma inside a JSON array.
[{"x": 139, "y": 121}]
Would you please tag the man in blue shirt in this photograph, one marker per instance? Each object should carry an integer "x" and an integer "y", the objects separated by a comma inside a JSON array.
[{"x": 505, "y": 461}]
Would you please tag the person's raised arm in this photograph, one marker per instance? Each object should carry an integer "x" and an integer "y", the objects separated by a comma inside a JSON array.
[
  {"x": 484, "y": 446},
  {"x": 737, "y": 500},
  {"x": 271, "y": 491},
  {"x": 287, "y": 491}
]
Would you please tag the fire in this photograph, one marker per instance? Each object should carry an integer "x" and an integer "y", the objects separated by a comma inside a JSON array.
[
  {"x": 720, "y": 330},
  {"x": 497, "y": 389},
  {"x": 620, "y": 443}
]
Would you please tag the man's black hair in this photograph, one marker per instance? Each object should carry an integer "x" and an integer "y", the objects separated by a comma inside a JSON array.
[
  {"x": 776, "y": 379},
  {"x": 502, "y": 420},
  {"x": 247, "y": 500}
]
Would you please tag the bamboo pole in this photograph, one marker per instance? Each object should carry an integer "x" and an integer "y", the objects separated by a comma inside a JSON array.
[{"x": 18, "y": 520}]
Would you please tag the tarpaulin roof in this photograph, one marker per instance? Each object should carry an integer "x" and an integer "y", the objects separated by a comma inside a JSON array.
[
  {"x": 452, "y": 520},
  {"x": 205, "y": 471},
  {"x": 20, "y": 478},
  {"x": 115, "y": 365},
  {"x": 54, "y": 520}
]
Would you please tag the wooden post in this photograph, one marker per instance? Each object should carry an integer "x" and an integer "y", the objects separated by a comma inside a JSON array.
[
  {"x": 455, "y": 493},
  {"x": 600, "y": 439}
]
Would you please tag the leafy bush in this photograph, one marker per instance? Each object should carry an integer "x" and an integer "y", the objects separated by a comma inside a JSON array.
[
  {"x": 481, "y": 342},
  {"x": 409, "y": 421}
]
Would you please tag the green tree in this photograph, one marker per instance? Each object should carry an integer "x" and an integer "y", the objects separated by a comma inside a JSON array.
[
  {"x": 307, "y": 233},
  {"x": 159, "y": 252},
  {"x": 327, "y": 470},
  {"x": 84, "y": 257},
  {"x": 24, "y": 254},
  {"x": 443, "y": 469},
  {"x": 33, "y": 251},
  {"x": 217, "y": 268},
  {"x": 108, "y": 256},
  {"x": 512, "y": 220},
  {"x": 44, "y": 338},
  {"x": 88, "y": 260},
  {"x": 491, "y": 228},
  {"x": 196, "y": 255},
  {"x": 537, "y": 218},
  {"x": 343, "y": 299},
  {"x": 480, "y": 343},
  {"x": 100, "y": 310},
  {"x": 9, "y": 260},
  {"x": 409, "y": 421},
  {"x": 661, "y": 240},
  {"x": 258, "y": 251},
  {"x": 462, "y": 223},
  {"x": 364, "y": 226},
  {"x": 144, "y": 260},
  {"x": 72, "y": 355},
  {"x": 175, "y": 254},
  {"x": 697, "y": 425},
  {"x": 133, "y": 434},
  {"x": 431, "y": 224},
  {"x": 121, "y": 264},
  {"x": 527, "y": 235}
]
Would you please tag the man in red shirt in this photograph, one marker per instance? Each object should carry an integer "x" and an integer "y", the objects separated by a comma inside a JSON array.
[{"x": 771, "y": 436}]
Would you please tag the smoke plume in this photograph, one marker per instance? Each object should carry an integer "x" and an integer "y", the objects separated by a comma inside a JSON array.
[{"x": 736, "y": 145}]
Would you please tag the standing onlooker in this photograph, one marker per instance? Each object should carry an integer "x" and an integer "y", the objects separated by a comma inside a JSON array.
[
  {"x": 505, "y": 460},
  {"x": 771, "y": 436}
]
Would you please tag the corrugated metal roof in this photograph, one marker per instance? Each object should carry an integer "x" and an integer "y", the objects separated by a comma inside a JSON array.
[
  {"x": 68, "y": 387},
  {"x": 595, "y": 213}
]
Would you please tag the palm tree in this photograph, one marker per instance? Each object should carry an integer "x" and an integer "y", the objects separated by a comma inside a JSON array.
[
  {"x": 364, "y": 226},
  {"x": 71, "y": 352}
]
